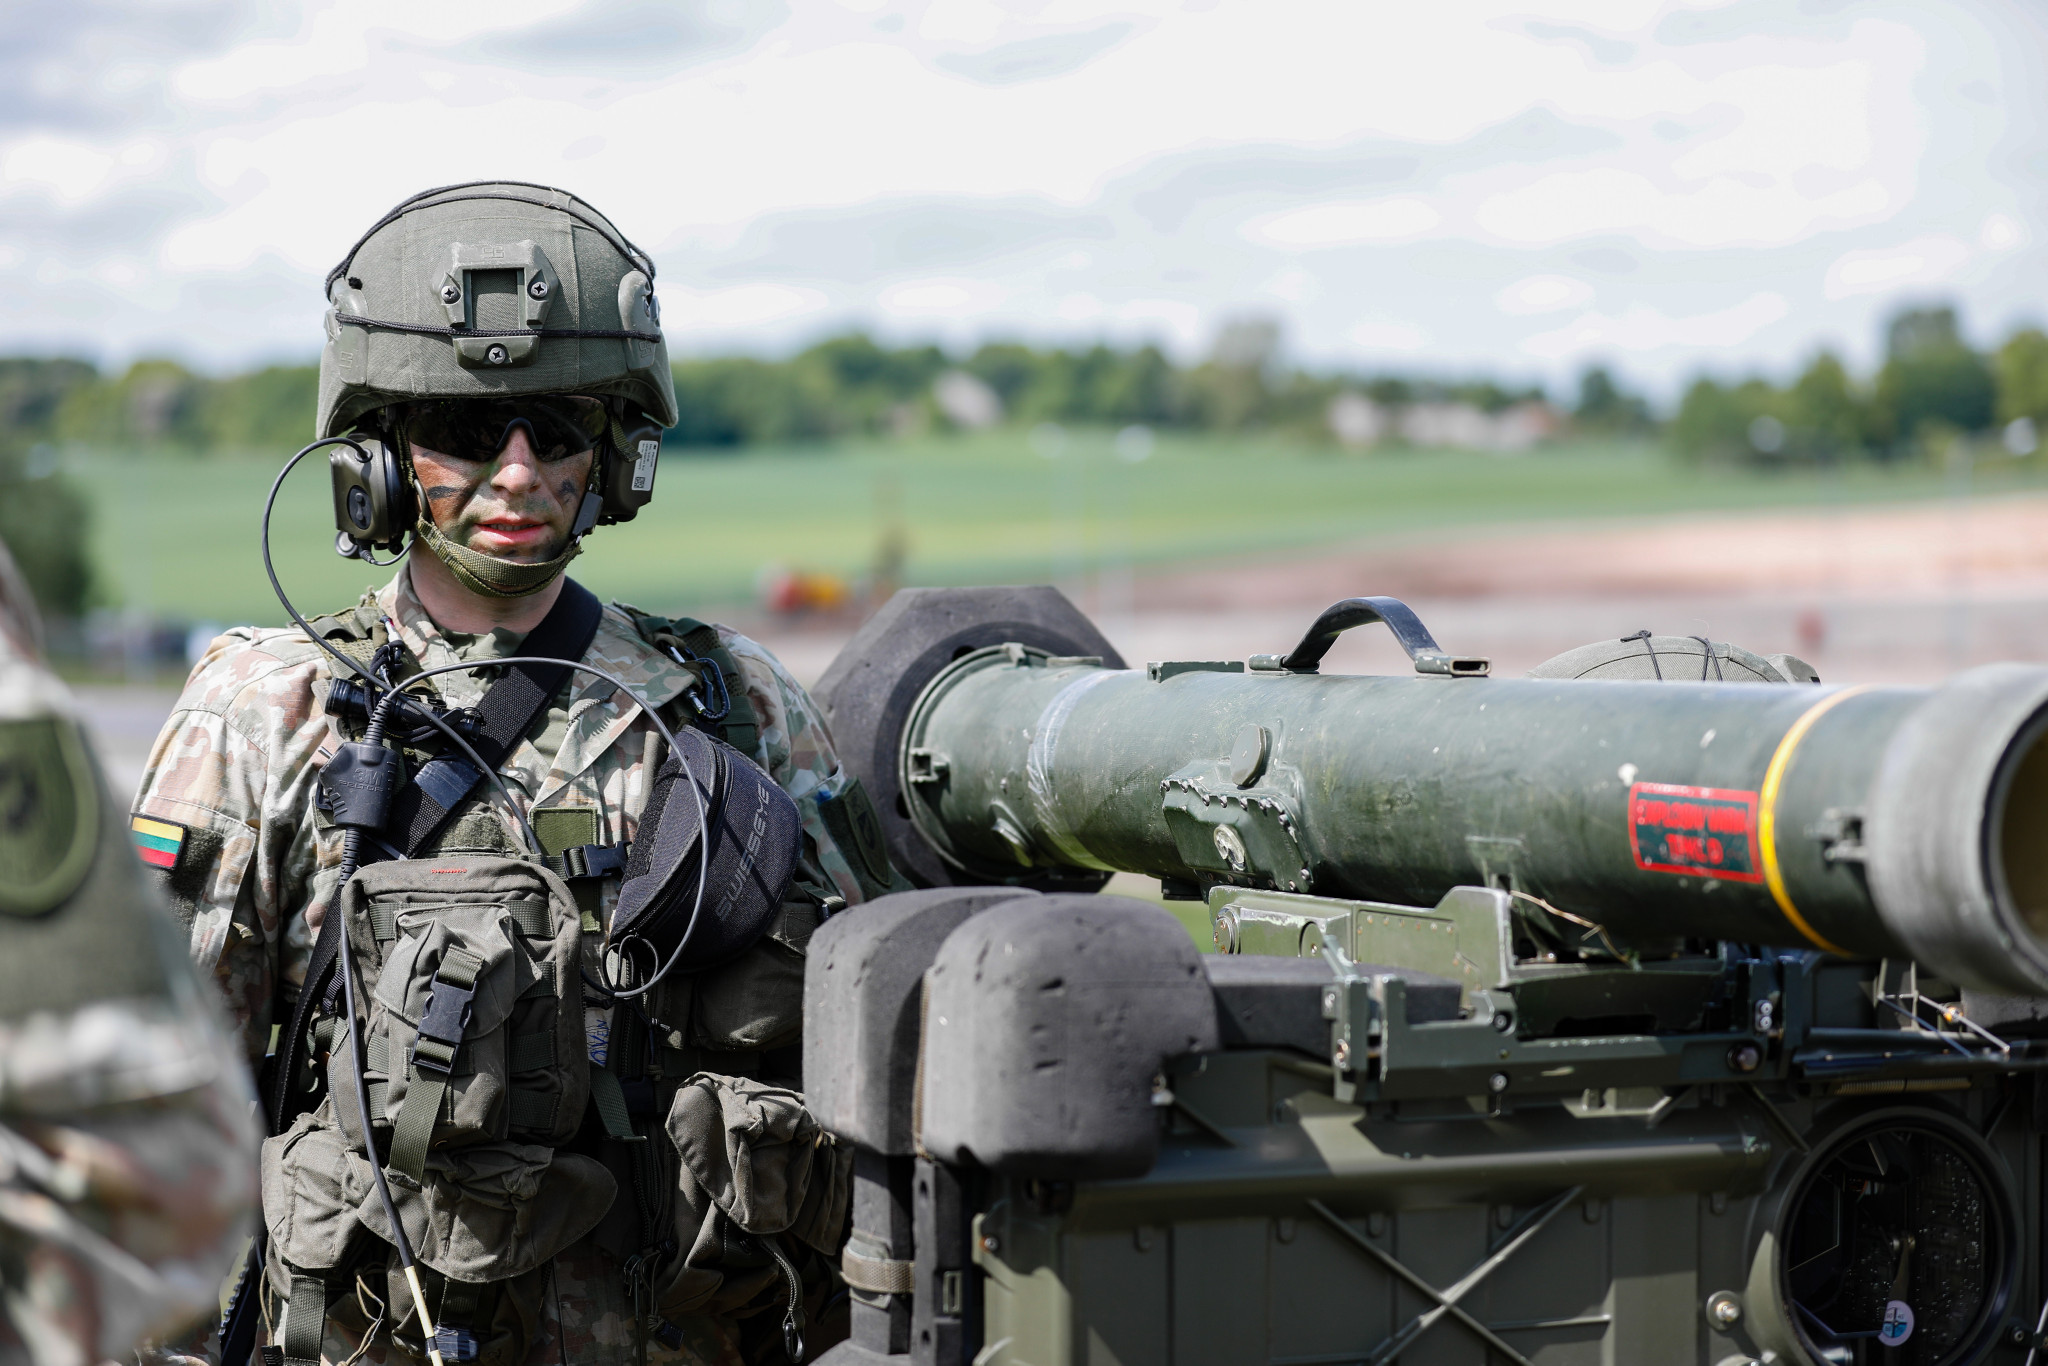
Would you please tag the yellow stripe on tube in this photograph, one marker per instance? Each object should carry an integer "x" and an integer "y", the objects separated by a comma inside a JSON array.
[{"x": 1767, "y": 813}]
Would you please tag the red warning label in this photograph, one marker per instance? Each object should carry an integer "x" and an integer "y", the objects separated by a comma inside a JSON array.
[{"x": 1709, "y": 831}]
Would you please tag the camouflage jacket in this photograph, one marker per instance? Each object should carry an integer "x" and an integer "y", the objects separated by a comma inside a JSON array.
[
  {"x": 236, "y": 766},
  {"x": 127, "y": 1135},
  {"x": 234, "y": 771}
]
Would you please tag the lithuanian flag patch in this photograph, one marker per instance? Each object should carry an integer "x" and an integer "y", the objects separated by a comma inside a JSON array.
[{"x": 157, "y": 842}]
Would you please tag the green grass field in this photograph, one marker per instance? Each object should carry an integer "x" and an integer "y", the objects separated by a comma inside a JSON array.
[{"x": 176, "y": 536}]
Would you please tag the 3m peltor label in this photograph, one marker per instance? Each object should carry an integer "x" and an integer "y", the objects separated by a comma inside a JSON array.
[{"x": 1703, "y": 831}]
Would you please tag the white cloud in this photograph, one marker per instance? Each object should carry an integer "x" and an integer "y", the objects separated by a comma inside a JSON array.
[
  {"x": 1346, "y": 224},
  {"x": 1922, "y": 261},
  {"x": 1724, "y": 212},
  {"x": 1079, "y": 308},
  {"x": 1387, "y": 334},
  {"x": 1543, "y": 294},
  {"x": 962, "y": 21},
  {"x": 1491, "y": 167},
  {"x": 70, "y": 171},
  {"x": 2000, "y": 233},
  {"x": 721, "y": 310},
  {"x": 1643, "y": 329},
  {"x": 1294, "y": 285},
  {"x": 942, "y": 298}
]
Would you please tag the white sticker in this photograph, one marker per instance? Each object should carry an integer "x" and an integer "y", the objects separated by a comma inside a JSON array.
[
  {"x": 1897, "y": 1325},
  {"x": 643, "y": 468}
]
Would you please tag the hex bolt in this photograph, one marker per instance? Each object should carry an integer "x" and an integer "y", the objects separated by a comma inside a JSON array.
[
  {"x": 450, "y": 293},
  {"x": 1724, "y": 1309},
  {"x": 538, "y": 288}
]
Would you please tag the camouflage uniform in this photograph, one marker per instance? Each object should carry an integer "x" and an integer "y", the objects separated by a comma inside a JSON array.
[
  {"x": 236, "y": 764},
  {"x": 127, "y": 1135}
]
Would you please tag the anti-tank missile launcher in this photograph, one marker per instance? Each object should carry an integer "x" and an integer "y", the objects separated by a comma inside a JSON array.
[{"x": 1538, "y": 1019}]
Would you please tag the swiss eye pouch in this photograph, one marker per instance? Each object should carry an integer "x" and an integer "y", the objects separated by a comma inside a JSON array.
[{"x": 755, "y": 838}]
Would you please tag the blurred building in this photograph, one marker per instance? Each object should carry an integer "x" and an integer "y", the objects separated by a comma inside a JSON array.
[
  {"x": 967, "y": 401},
  {"x": 1359, "y": 422}
]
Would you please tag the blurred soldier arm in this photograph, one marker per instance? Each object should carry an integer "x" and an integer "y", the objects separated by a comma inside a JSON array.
[{"x": 127, "y": 1130}]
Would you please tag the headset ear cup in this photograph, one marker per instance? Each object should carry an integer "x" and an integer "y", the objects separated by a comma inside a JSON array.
[
  {"x": 402, "y": 511},
  {"x": 374, "y": 506},
  {"x": 631, "y": 453}
]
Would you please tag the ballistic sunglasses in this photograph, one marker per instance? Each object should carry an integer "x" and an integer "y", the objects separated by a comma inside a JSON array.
[{"x": 558, "y": 425}]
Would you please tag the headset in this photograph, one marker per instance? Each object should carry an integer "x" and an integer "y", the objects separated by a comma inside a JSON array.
[{"x": 375, "y": 507}]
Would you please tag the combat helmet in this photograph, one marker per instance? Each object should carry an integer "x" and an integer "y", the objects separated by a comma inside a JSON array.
[
  {"x": 488, "y": 289},
  {"x": 496, "y": 290}
]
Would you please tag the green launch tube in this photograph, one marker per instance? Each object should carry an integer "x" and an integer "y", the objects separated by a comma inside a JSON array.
[{"x": 1861, "y": 821}]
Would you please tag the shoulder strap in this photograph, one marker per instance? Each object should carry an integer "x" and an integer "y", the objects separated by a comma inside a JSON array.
[
  {"x": 355, "y": 631},
  {"x": 507, "y": 710},
  {"x": 699, "y": 643},
  {"x": 283, "y": 1107}
]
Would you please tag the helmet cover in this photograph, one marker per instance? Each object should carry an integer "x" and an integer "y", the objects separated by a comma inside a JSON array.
[{"x": 490, "y": 289}]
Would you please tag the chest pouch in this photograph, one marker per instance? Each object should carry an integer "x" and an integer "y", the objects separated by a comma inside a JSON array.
[
  {"x": 755, "y": 836},
  {"x": 469, "y": 981}
]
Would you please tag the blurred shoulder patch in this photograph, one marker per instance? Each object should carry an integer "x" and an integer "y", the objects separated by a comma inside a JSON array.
[{"x": 49, "y": 814}]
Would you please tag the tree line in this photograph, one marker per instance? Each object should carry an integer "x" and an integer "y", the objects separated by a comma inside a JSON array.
[
  {"x": 1931, "y": 389},
  {"x": 845, "y": 386},
  {"x": 1931, "y": 384}
]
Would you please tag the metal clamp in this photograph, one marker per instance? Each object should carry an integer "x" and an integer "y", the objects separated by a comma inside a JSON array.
[{"x": 709, "y": 678}]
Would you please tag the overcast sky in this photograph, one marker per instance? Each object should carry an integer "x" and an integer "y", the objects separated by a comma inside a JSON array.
[{"x": 1435, "y": 187}]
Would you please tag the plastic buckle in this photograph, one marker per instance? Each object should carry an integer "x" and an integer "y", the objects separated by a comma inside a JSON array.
[
  {"x": 593, "y": 860},
  {"x": 442, "y": 1025}
]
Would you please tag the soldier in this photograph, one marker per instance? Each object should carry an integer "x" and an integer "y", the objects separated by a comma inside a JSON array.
[
  {"x": 127, "y": 1130},
  {"x": 495, "y": 349}
]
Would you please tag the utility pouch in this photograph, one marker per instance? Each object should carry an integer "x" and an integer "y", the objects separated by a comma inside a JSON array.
[
  {"x": 754, "y": 1167},
  {"x": 475, "y": 1028},
  {"x": 476, "y": 1071}
]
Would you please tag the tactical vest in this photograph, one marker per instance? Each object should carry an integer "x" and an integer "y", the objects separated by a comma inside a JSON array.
[{"x": 511, "y": 1132}]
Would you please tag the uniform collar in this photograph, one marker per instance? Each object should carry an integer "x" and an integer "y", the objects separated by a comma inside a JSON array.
[{"x": 599, "y": 715}]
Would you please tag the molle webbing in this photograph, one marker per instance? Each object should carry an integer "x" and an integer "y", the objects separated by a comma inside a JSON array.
[
  {"x": 433, "y": 1063},
  {"x": 305, "y": 1321},
  {"x": 356, "y": 632}
]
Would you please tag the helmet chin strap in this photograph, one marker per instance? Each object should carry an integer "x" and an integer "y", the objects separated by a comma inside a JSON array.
[{"x": 491, "y": 576}]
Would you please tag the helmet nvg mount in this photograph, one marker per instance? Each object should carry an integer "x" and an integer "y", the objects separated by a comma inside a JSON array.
[{"x": 496, "y": 289}]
